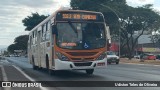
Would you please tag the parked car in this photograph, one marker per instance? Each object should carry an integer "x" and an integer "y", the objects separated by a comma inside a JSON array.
[
  {"x": 149, "y": 57},
  {"x": 11, "y": 55},
  {"x": 137, "y": 56},
  {"x": 112, "y": 58}
]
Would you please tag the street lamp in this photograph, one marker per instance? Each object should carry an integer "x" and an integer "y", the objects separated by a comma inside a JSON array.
[{"x": 118, "y": 24}]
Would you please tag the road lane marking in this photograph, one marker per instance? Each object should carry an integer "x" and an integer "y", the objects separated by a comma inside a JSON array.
[
  {"x": 28, "y": 77},
  {"x": 4, "y": 77},
  {"x": 141, "y": 64}
]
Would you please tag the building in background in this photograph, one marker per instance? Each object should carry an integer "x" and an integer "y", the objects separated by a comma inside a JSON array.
[{"x": 145, "y": 45}]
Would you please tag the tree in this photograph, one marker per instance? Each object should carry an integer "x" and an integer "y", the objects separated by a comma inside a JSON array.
[
  {"x": 94, "y": 5},
  {"x": 155, "y": 38},
  {"x": 141, "y": 19},
  {"x": 31, "y": 21},
  {"x": 20, "y": 43},
  {"x": 11, "y": 48}
]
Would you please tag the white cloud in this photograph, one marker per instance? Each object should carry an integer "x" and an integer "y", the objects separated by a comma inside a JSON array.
[
  {"x": 139, "y": 2},
  {"x": 135, "y": 3},
  {"x": 157, "y": 8},
  {"x": 13, "y": 11}
]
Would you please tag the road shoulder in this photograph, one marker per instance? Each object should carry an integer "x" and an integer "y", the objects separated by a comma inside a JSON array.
[
  {"x": 11, "y": 73},
  {"x": 138, "y": 62}
]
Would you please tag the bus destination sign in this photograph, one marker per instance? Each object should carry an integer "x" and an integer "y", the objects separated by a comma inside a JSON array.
[{"x": 79, "y": 16}]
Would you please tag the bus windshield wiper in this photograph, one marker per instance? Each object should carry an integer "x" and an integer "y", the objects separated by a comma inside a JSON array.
[{"x": 73, "y": 27}]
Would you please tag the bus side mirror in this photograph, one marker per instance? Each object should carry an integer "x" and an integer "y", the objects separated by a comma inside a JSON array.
[{"x": 54, "y": 30}]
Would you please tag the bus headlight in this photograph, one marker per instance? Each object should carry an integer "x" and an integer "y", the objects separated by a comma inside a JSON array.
[
  {"x": 61, "y": 56},
  {"x": 102, "y": 56},
  {"x": 117, "y": 57}
]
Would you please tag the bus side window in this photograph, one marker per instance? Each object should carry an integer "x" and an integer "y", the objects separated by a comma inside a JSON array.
[
  {"x": 42, "y": 33},
  {"x": 32, "y": 34},
  {"x": 30, "y": 41},
  {"x": 39, "y": 31},
  {"x": 33, "y": 38},
  {"x": 36, "y": 36},
  {"x": 48, "y": 27}
]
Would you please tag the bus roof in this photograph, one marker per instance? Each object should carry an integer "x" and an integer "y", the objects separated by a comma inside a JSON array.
[
  {"x": 78, "y": 11},
  {"x": 54, "y": 14}
]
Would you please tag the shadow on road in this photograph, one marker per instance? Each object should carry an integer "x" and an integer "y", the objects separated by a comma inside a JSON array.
[{"x": 72, "y": 74}]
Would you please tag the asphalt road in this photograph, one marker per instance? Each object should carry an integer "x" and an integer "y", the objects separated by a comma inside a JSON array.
[{"x": 121, "y": 72}]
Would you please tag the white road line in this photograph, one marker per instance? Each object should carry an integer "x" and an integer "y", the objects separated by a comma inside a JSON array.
[
  {"x": 157, "y": 65},
  {"x": 142, "y": 64},
  {"x": 4, "y": 77},
  {"x": 28, "y": 77}
]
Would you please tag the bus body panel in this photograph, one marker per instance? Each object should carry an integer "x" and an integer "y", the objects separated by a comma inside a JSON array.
[
  {"x": 42, "y": 54},
  {"x": 68, "y": 65},
  {"x": 38, "y": 48}
]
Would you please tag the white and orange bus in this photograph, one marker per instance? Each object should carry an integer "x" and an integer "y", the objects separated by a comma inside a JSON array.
[{"x": 69, "y": 40}]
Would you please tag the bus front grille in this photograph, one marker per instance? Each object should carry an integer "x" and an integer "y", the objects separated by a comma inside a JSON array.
[
  {"x": 83, "y": 64},
  {"x": 82, "y": 59},
  {"x": 82, "y": 53}
]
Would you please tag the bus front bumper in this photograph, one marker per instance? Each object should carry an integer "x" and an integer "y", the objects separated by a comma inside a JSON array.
[{"x": 68, "y": 65}]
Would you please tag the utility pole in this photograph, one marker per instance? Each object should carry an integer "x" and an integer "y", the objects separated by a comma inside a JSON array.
[{"x": 119, "y": 26}]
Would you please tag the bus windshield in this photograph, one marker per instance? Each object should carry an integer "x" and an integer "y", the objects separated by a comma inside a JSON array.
[{"x": 81, "y": 35}]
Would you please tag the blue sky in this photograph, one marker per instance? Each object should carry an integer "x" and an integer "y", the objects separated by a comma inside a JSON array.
[{"x": 13, "y": 11}]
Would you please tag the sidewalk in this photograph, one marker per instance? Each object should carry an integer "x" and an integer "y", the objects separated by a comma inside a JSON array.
[{"x": 137, "y": 61}]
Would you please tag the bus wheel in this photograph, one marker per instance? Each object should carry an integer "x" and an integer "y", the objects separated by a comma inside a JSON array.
[
  {"x": 47, "y": 66},
  {"x": 33, "y": 65},
  {"x": 117, "y": 62},
  {"x": 50, "y": 72},
  {"x": 89, "y": 71}
]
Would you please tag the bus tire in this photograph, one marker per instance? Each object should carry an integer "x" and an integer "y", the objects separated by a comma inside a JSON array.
[
  {"x": 89, "y": 71},
  {"x": 50, "y": 72},
  {"x": 117, "y": 62},
  {"x": 33, "y": 64}
]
